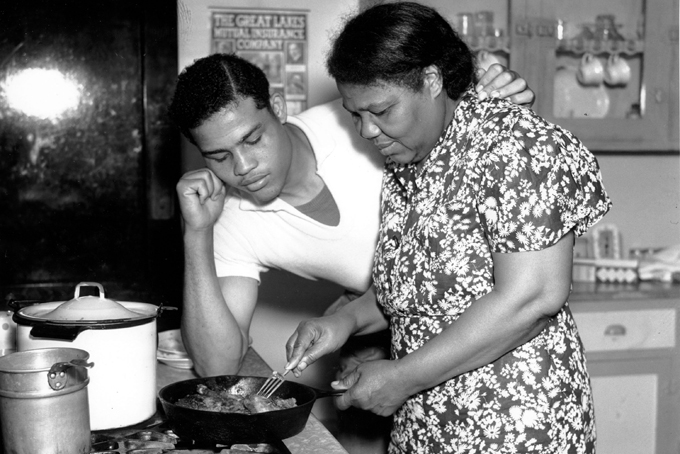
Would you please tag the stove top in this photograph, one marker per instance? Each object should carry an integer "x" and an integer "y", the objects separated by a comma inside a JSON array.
[{"x": 161, "y": 439}]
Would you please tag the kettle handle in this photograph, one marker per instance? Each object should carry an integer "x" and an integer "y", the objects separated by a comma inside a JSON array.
[
  {"x": 66, "y": 332},
  {"x": 89, "y": 284}
]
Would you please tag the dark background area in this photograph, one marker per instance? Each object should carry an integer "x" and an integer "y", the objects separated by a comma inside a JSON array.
[{"x": 90, "y": 196}]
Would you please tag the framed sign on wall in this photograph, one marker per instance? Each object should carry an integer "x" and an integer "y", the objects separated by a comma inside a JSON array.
[{"x": 274, "y": 40}]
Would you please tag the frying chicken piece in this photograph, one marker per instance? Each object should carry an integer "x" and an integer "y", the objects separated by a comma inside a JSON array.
[
  {"x": 222, "y": 401},
  {"x": 258, "y": 404}
]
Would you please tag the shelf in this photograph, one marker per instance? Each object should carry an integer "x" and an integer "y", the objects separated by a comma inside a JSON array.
[
  {"x": 488, "y": 43},
  {"x": 627, "y": 47}
]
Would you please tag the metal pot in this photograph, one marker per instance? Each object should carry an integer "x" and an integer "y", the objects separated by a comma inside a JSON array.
[
  {"x": 209, "y": 428},
  {"x": 121, "y": 338},
  {"x": 44, "y": 401}
]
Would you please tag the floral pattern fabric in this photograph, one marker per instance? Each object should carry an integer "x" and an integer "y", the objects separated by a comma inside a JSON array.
[{"x": 500, "y": 179}]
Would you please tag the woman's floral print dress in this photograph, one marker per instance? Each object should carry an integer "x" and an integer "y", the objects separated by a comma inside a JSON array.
[{"x": 500, "y": 179}]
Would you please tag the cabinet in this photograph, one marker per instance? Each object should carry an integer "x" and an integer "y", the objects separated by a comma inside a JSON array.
[
  {"x": 545, "y": 41},
  {"x": 633, "y": 358}
]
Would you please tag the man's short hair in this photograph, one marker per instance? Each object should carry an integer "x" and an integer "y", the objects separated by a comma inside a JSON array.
[{"x": 211, "y": 84}]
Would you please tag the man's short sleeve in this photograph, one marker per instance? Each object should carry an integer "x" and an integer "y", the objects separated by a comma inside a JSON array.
[{"x": 233, "y": 254}]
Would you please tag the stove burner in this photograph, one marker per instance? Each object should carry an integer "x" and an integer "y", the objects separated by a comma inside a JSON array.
[{"x": 160, "y": 440}]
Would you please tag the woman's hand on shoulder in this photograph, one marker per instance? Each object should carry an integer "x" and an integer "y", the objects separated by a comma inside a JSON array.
[{"x": 500, "y": 82}]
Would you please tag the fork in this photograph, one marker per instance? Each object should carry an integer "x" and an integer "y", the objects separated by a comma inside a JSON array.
[{"x": 270, "y": 386}]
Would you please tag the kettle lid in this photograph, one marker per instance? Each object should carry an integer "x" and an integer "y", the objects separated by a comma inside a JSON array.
[{"x": 90, "y": 308}]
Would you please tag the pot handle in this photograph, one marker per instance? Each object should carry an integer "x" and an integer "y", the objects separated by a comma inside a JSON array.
[
  {"x": 162, "y": 308},
  {"x": 68, "y": 333},
  {"x": 15, "y": 305},
  {"x": 57, "y": 378}
]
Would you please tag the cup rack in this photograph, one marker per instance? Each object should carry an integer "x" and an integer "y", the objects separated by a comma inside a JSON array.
[
  {"x": 593, "y": 46},
  {"x": 488, "y": 43}
]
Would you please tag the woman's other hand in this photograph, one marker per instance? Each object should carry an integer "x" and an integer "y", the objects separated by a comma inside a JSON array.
[
  {"x": 500, "y": 82},
  {"x": 376, "y": 386}
]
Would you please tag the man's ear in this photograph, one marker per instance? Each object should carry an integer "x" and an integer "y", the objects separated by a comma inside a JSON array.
[
  {"x": 278, "y": 104},
  {"x": 433, "y": 80}
]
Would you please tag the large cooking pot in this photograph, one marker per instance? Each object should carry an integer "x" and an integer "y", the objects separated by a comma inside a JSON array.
[
  {"x": 208, "y": 428},
  {"x": 121, "y": 339}
]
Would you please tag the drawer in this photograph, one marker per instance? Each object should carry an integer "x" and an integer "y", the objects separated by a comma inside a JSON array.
[{"x": 626, "y": 330}]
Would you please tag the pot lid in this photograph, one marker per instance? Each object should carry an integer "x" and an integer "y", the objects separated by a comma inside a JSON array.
[{"x": 90, "y": 308}]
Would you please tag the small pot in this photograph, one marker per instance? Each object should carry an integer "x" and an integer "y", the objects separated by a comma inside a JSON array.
[
  {"x": 121, "y": 339},
  {"x": 44, "y": 402}
]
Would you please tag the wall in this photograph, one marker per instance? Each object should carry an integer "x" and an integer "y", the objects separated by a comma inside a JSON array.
[
  {"x": 323, "y": 15},
  {"x": 645, "y": 191}
]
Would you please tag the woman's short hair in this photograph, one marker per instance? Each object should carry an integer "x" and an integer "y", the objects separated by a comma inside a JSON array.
[
  {"x": 394, "y": 42},
  {"x": 212, "y": 83}
]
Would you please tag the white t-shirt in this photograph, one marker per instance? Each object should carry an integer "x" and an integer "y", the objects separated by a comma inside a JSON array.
[{"x": 249, "y": 239}]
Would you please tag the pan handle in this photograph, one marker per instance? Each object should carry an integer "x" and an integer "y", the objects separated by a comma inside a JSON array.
[{"x": 320, "y": 393}]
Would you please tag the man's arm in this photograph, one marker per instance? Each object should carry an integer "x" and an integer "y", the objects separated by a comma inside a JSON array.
[{"x": 217, "y": 312}]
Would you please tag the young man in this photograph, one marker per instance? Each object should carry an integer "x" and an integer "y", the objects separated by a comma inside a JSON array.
[{"x": 296, "y": 193}]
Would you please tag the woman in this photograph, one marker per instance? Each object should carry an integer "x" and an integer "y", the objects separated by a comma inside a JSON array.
[{"x": 481, "y": 203}]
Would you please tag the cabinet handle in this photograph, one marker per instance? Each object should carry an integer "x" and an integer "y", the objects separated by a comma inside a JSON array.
[
  {"x": 523, "y": 29},
  {"x": 658, "y": 95},
  {"x": 615, "y": 330}
]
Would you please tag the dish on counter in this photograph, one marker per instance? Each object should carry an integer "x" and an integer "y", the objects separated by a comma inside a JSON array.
[
  {"x": 171, "y": 350},
  {"x": 179, "y": 363},
  {"x": 573, "y": 100}
]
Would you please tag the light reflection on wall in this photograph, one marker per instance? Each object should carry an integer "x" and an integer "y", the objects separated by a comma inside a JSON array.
[{"x": 44, "y": 93}]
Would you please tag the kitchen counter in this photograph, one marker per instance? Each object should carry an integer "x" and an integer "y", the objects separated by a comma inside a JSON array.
[
  {"x": 315, "y": 438},
  {"x": 640, "y": 291}
]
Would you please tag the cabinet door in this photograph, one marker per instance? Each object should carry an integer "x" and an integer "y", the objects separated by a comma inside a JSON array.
[
  {"x": 633, "y": 108},
  {"x": 632, "y": 413},
  {"x": 632, "y": 353},
  {"x": 604, "y": 69}
]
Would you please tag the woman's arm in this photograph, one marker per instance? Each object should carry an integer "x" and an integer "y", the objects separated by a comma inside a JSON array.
[
  {"x": 530, "y": 288},
  {"x": 320, "y": 336}
]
